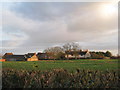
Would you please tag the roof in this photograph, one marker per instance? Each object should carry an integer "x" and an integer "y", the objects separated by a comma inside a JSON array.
[
  {"x": 42, "y": 56},
  {"x": 15, "y": 57},
  {"x": 8, "y": 53},
  {"x": 41, "y": 53},
  {"x": 29, "y": 55}
]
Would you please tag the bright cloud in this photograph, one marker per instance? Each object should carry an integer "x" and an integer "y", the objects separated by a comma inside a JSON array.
[{"x": 41, "y": 25}]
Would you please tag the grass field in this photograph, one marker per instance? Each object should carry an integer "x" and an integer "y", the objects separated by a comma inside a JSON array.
[
  {"x": 81, "y": 73},
  {"x": 70, "y": 65}
]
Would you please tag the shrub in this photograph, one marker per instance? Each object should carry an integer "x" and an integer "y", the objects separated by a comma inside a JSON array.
[{"x": 59, "y": 78}]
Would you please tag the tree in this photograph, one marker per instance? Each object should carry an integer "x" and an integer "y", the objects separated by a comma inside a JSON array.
[
  {"x": 75, "y": 46},
  {"x": 49, "y": 53},
  {"x": 53, "y": 52},
  {"x": 60, "y": 56},
  {"x": 97, "y": 55},
  {"x": 67, "y": 47},
  {"x": 71, "y": 47},
  {"x": 101, "y": 54},
  {"x": 108, "y": 54}
]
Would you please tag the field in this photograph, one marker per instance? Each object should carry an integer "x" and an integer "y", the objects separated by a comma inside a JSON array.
[
  {"x": 81, "y": 73},
  {"x": 70, "y": 65}
]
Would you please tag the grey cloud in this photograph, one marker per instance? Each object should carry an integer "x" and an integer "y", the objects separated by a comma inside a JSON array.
[
  {"x": 46, "y": 10},
  {"x": 49, "y": 24}
]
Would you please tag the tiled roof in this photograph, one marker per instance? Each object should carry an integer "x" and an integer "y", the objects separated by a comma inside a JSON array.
[{"x": 15, "y": 57}]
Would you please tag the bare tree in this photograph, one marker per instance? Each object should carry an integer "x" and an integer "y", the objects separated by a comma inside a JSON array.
[
  {"x": 75, "y": 46},
  {"x": 71, "y": 47},
  {"x": 67, "y": 47}
]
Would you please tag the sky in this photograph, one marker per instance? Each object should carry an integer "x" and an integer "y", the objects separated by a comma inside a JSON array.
[{"x": 35, "y": 26}]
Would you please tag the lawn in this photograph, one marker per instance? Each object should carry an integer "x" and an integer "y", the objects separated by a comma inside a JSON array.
[{"x": 70, "y": 65}]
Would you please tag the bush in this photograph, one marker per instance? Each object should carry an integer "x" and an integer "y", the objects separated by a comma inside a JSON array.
[{"x": 59, "y": 78}]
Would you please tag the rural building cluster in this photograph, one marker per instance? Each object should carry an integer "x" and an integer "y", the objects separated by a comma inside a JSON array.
[
  {"x": 66, "y": 52},
  {"x": 43, "y": 56}
]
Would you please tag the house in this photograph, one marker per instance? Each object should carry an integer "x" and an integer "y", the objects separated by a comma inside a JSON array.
[
  {"x": 31, "y": 57},
  {"x": 26, "y": 57},
  {"x": 84, "y": 54},
  {"x": 69, "y": 55},
  {"x": 11, "y": 57},
  {"x": 6, "y": 54},
  {"x": 42, "y": 56},
  {"x": 77, "y": 54}
]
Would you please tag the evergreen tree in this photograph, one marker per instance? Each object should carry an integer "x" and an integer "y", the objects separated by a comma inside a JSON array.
[{"x": 108, "y": 54}]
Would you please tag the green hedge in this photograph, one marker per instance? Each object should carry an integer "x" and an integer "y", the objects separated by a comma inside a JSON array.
[{"x": 59, "y": 78}]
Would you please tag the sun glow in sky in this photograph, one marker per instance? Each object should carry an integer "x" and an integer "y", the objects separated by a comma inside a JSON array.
[{"x": 108, "y": 9}]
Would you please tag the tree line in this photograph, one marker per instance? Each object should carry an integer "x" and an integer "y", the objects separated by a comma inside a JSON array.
[
  {"x": 58, "y": 52},
  {"x": 100, "y": 55}
]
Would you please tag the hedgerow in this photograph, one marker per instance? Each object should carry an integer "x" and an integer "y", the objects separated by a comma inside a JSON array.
[{"x": 59, "y": 78}]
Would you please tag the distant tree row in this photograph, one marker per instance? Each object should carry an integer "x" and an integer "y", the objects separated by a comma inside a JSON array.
[
  {"x": 100, "y": 55},
  {"x": 60, "y": 52}
]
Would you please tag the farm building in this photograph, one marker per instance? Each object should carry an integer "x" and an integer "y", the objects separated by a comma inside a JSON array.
[
  {"x": 26, "y": 57},
  {"x": 42, "y": 56},
  {"x": 77, "y": 54},
  {"x": 31, "y": 57},
  {"x": 45, "y": 56},
  {"x": 14, "y": 57},
  {"x": 84, "y": 54},
  {"x": 6, "y": 55}
]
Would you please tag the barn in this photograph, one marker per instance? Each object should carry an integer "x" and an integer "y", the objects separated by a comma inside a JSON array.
[{"x": 14, "y": 57}]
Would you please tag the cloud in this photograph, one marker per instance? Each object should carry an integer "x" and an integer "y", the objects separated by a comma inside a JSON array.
[
  {"x": 45, "y": 10},
  {"x": 32, "y": 26}
]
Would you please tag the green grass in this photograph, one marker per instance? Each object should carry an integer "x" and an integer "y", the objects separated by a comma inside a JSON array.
[{"x": 70, "y": 65}]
